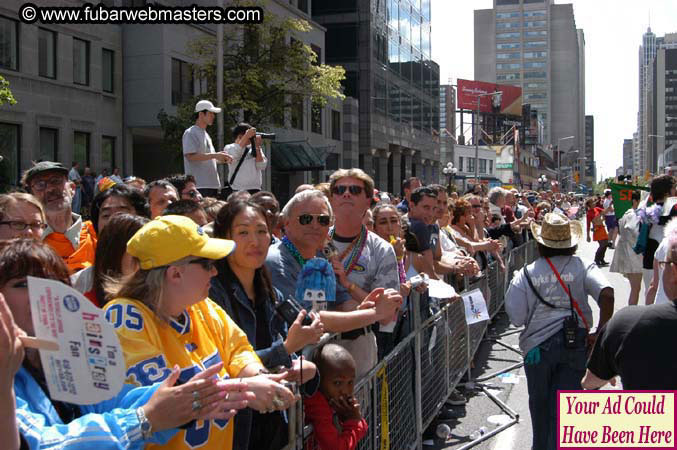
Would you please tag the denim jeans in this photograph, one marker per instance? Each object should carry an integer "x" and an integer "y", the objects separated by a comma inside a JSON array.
[{"x": 558, "y": 368}]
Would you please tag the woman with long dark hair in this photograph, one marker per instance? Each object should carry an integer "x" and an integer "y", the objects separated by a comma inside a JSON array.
[{"x": 243, "y": 288}]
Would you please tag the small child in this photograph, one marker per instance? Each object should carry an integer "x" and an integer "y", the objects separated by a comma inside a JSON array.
[{"x": 333, "y": 411}]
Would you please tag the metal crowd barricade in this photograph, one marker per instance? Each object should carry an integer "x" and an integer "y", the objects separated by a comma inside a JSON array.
[{"x": 403, "y": 394}]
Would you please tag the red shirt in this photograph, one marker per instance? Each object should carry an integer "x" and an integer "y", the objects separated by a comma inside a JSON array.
[{"x": 327, "y": 436}]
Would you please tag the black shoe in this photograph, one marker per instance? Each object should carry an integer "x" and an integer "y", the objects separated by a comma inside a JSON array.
[{"x": 602, "y": 263}]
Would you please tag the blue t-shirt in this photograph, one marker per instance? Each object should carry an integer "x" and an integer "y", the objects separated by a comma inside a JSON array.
[{"x": 423, "y": 234}]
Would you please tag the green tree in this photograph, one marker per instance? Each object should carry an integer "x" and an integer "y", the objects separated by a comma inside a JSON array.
[
  {"x": 264, "y": 73},
  {"x": 5, "y": 93}
]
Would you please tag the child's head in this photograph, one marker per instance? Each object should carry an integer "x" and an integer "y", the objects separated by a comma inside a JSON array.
[{"x": 337, "y": 371}]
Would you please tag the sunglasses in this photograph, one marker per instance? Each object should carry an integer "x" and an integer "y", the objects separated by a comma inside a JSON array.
[
  {"x": 192, "y": 194},
  {"x": 322, "y": 219},
  {"x": 206, "y": 263},
  {"x": 353, "y": 189}
]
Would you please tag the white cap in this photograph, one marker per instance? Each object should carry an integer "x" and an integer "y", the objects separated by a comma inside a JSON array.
[{"x": 203, "y": 105}]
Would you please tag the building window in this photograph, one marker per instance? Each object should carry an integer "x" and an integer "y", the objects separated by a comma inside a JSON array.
[
  {"x": 336, "y": 125},
  {"x": 107, "y": 69},
  {"x": 507, "y": 45},
  {"x": 46, "y": 53},
  {"x": 471, "y": 165},
  {"x": 507, "y": 25},
  {"x": 80, "y": 61},
  {"x": 460, "y": 163},
  {"x": 507, "y": 15},
  {"x": 532, "y": 55},
  {"x": 49, "y": 144},
  {"x": 534, "y": 75},
  {"x": 341, "y": 40},
  {"x": 318, "y": 53},
  {"x": 508, "y": 76},
  {"x": 508, "y": 66},
  {"x": 483, "y": 165},
  {"x": 508, "y": 36},
  {"x": 537, "y": 13},
  {"x": 297, "y": 112},
  {"x": 182, "y": 82},
  {"x": 381, "y": 94},
  {"x": 491, "y": 166},
  {"x": 534, "y": 24},
  {"x": 534, "y": 65},
  {"x": 533, "y": 44},
  {"x": 508, "y": 55},
  {"x": 529, "y": 34},
  {"x": 81, "y": 148},
  {"x": 303, "y": 5},
  {"x": 10, "y": 142},
  {"x": 9, "y": 43},
  {"x": 108, "y": 153},
  {"x": 316, "y": 118}
]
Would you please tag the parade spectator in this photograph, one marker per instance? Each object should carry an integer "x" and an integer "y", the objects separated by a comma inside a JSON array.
[
  {"x": 610, "y": 217},
  {"x": 252, "y": 162},
  {"x": 76, "y": 179},
  {"x": 662, "y": 187},
  {"x": 599, "y": 234},
  {"x": 557, "y": 318},
  {"x": 21, "y": 215},
  {"x": 656, "y": 291},
  {"x": 136, "y": 182},
  {"x": 408, "y": 186},
  {"x": 272, "y": 208},
  {"x": 188, "y": 208},
  {"x": 465, "y": 232},
  {"x": 160, "y": 194},
  {"x": 212, "y": 206},
  {"x": 179, "y": 325},
  {"x": 112, "y": 424},
  {"x": 626, "y": 345},
  {"x": 243, "y": 288},
  {"x": 374, "y": 259},
  {"x": 101, "y": 176},
  {"x": 334, "y": 411},
  {"x": 307, "y": 217},
  {"x": 199, "y": 157},
  {"x": 11, "y": 357},
  {"x": 116, "y": 176},
  {"x": 73, "y": 239},
  {"x": 186, "y": 187},
  {"x": 112, "y": 259},
  {"x": 87, "y": 187},
  {"x": 117, "y": 200},
  {"x": 625, "y": 260}
]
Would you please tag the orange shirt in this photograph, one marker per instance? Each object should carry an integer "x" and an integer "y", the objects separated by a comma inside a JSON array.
[{"x": 75, "y": 259}]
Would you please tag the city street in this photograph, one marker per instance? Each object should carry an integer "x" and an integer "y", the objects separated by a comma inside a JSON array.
[{"x": 480, "y": 411}]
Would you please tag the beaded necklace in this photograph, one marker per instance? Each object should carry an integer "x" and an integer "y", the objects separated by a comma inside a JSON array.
[
  {"x": 356, "y": 246},
  {"x": 294, "y": 251}
]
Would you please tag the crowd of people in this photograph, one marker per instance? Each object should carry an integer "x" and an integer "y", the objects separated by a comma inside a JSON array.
[{"x": 193, "y": 283}]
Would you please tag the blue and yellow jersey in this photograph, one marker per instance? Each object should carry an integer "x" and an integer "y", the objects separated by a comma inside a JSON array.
[{"x": 202, "y": 336}]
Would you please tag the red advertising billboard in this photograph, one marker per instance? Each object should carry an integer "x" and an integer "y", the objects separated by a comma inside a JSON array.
[{"x": 511, "y": 98}]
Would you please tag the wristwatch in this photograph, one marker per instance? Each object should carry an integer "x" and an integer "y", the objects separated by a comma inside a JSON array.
[{"x": 144, "y": 424}]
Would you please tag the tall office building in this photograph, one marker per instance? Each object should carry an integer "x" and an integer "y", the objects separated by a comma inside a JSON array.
[
  {"x": 647, "y": 53},
  {"x": 385, "y": 48},
  {"x": 587, "y": 166},
  {"x": 664, "y": 114},
  {"x": 535, "y": 44},
  {"x": 447, "y": 124},
  {"x": 636, "y": 155},
  {"x": 627, "y": 156}
]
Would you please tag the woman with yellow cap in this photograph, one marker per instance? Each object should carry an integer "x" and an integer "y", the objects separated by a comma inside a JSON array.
[{"x": 163, "y": 318}]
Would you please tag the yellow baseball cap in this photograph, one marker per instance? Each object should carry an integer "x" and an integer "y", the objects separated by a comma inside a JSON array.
[{"x": 167, "y": 239}]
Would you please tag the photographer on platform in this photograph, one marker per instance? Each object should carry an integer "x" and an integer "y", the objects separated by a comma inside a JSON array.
[{"x": 254, "y": 162}]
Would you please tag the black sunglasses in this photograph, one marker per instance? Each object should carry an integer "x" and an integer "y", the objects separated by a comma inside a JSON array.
[
  {"x": 322, "y": 219},
  {"x": 353, "y": 189},
  {"x": 206, "y": 263}
]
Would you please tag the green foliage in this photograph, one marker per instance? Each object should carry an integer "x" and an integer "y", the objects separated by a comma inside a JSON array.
[
  {"x": 263, "y": 72},
  {"x": 5, "y": 93}
]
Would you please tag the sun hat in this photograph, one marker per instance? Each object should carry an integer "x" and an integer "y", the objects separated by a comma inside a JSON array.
[
  {"x": 168, "y": 239},
  {"x": 203, "y": 105},
  {"x": 557, "y": 231}
]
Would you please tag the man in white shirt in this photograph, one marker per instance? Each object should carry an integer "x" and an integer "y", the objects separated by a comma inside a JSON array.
[
  {"x": 248, "y": 176},
  {"x": 199, "y": 157}
]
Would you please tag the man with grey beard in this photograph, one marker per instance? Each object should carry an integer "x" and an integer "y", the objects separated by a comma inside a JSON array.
[{"x": 71, "y": 238}]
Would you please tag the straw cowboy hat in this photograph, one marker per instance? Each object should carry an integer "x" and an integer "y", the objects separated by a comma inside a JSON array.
[{"x": 557, "y": 231}]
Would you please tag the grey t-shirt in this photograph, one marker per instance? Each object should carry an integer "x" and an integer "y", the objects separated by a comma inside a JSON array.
[
  {"x": 376, "y": 267},
  {"x": 197, "y": 140},
  {"x": 583, "y": 278}
]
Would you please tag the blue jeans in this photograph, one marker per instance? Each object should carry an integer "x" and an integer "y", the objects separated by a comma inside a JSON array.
[{"x": 559, "y": 368}]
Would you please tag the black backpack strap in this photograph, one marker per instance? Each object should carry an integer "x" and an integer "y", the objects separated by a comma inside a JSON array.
[
  {"x": 538, "y": 296},
  {"x": 239, "y": 163}
]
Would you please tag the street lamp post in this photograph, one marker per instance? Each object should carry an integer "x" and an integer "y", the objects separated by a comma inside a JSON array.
[
  {"x": 559, "y": 155},
  {"x": 542, "y": 180},
  {"x": 477, "y": 132},
  {"x": 449, "y": 170}
]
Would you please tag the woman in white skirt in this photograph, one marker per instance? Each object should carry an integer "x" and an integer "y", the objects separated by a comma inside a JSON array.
[{"x": 625, "y": 260}]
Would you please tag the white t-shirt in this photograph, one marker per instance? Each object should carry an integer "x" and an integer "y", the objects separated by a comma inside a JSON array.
[
  {"x": 661, "y": 253},
  {"x": 608, "y": 202},
  {"x": 197, "y": 140},
  {"x": 249, "y": 174}
]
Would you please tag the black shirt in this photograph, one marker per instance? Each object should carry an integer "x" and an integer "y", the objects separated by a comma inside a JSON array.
[{"x": 638, "y": 344}]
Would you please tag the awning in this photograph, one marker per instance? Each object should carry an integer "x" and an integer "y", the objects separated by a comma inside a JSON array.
[{"x": 296, "y": 156}]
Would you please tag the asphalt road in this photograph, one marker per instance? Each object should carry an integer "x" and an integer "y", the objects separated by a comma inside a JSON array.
[{"x": 481, "y": 411}]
